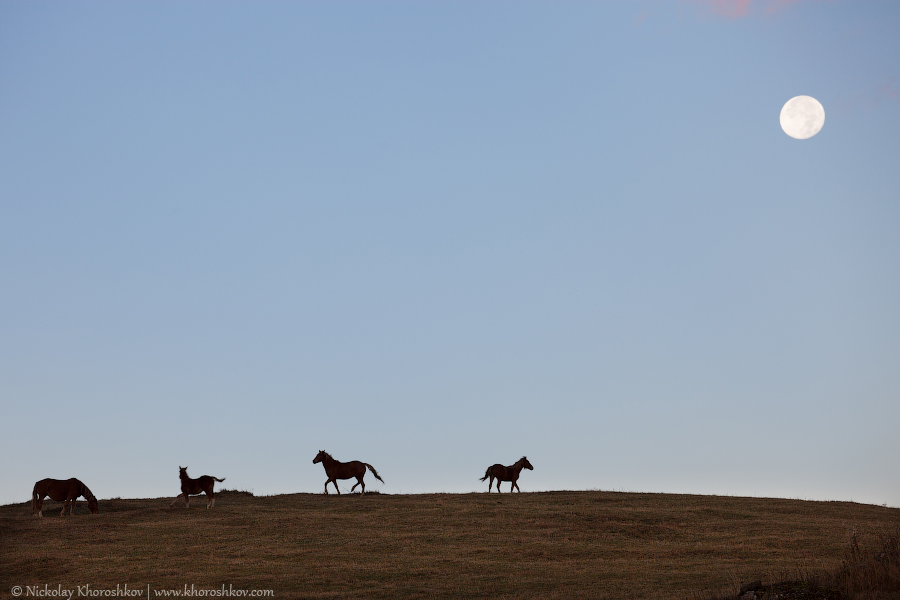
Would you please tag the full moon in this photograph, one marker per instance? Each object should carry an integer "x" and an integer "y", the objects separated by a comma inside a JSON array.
[{"x": 802, "y": 117}]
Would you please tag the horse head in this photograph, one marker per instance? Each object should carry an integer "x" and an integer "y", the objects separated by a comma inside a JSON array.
[
  {"x": 526, "y": 464},
  {"x": 91, "y": 499},
  {"x": 182, "y": 472},
  {"x": 320, "y": 457}
]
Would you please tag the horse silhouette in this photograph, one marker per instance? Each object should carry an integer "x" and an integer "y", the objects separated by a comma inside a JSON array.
[
  {"x": 336, "y": 469},
  {"x": 511, "y": 473},
  {"x": 60, "y": 490},
  {"x": 193, "y": 487}
]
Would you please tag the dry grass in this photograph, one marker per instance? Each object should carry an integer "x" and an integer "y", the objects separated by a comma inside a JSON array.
[
  {"x": 532, "y": 545},
  {"x": 871, "y": 568}
]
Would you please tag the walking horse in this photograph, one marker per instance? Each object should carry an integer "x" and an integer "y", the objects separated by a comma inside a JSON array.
[
  {"x": 336, "y": 469},
  {"x": 511, "y": 473},
  {"x": 193, "y": 487}
]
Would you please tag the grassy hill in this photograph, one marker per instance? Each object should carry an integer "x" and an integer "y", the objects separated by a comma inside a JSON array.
[{"x": 530, "y": 545}]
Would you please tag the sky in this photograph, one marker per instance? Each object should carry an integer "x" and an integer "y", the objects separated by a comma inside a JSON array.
[{"x": 436, "y": 236}]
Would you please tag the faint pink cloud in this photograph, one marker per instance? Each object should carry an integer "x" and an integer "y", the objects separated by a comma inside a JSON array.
[
  {"x": 736, "y": 9},
  {"x": 776, "y": 5},
  {"x": 641, "y": 17},
  {"x": 888, "y": 90},
  {"x": 731, "y": 9},
  {"x": 869, "y": 97}
]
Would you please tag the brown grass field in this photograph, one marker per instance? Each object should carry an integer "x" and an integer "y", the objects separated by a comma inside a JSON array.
[{"x": 532, "y": 545}]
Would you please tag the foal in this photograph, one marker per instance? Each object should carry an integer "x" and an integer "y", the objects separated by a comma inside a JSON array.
[
  {"x": 59, "y": 490},
  {"x": 510, "y": 473},
  {"x": 195, "y": 486}
]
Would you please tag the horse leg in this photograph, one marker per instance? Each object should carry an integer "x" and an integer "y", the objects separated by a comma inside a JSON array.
[
  {"x": 40, "y": 507},
  {"x": 72, "y": 508},
  {"x": 515, "y": 485},
  {"x": 62, "y": 513},
  {"x": 175, "y": 500},
  {"x": 210, "y": 500},
  {"x": 359, "y": 481}
]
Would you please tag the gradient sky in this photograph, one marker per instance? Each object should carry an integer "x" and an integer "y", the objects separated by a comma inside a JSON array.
[{"x": 435, "y": 236}]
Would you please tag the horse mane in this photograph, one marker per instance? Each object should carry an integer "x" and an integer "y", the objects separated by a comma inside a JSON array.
[
  {"x": 326, "y": 454},
  {"x": 86, "y": 492}
]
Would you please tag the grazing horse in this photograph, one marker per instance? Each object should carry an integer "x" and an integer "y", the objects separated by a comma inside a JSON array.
[
  {"x": 195, "y": 486},
  {"x": 336, "y": 469},
  {"x": 59, "y": 490},
  {"x": 510, "y": 473}
]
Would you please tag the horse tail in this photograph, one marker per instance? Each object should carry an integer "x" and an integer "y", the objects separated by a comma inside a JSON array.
[
  {"x": 486, "y": 474},
  {"x": 34, "y": 495},
  {"x": 374, "y": 472},
  {"x": 219, "y": 480}
]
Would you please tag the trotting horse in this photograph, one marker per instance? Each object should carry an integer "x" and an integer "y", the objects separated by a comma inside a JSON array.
[
  {"x": 336, "y": 469},
  {"x": 195, "y": 486},
  {"x": 60, "y": 490},
  {"x": 510, "y": 473}
]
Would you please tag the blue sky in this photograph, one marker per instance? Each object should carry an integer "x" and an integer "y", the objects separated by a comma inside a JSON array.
[{"x": 437, "y": 236}]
